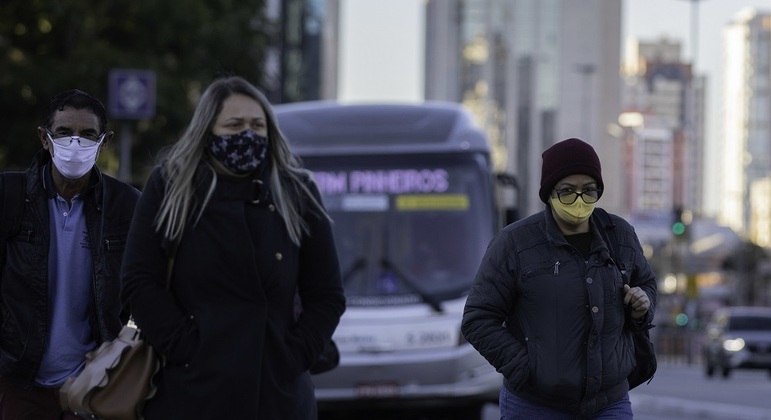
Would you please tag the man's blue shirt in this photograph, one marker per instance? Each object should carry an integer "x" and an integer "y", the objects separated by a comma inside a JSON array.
[{"x": 70, "y": 292}]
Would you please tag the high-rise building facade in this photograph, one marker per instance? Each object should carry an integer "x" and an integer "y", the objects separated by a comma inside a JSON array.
[
  {"x": 533, "y": 72},
  {"x": 300, "y": 60},
  {"x": 746, "y": 147},
  {"x": 665, "y": 148}
]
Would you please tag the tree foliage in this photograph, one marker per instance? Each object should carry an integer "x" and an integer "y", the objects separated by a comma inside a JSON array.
[{"x": 48, "y": 46}]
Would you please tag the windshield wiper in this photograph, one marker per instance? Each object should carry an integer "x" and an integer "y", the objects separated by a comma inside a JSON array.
[
  {"x": 356, "y": 266},
  {"x": 412, "y": 284}
]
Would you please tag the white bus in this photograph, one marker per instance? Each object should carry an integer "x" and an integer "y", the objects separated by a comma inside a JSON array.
[{"x": 411, "y": 192}]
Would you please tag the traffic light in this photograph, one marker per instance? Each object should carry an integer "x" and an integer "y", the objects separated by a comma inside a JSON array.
[
  {"x": 678, "y": 228},
  {"x": 680, "y": 222}
]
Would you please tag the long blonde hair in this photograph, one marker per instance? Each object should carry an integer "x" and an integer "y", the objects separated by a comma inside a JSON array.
[{"x": 182, "y": 159}]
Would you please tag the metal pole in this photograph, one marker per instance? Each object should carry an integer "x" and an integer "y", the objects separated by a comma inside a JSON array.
[
  {"x": 695, "y": 32},
  {"x": 586, "y": 70},
  {"x": 126, "y": 140}
]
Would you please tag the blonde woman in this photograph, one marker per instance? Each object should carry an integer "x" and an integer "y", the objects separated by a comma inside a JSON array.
[{"x": 248, "y": 232}]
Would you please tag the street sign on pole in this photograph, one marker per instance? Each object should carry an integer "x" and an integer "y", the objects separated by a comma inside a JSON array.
[{"x": 131, "y": 94}]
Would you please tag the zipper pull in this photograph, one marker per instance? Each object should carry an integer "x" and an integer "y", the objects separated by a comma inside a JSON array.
[{"x": 556, "y": 268}]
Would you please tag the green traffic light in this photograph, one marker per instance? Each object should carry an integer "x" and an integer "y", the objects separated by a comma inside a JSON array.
[{"x": 678, "y": 228}]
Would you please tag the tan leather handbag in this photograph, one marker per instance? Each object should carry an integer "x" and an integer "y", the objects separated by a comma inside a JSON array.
[
  {"x": 118, "y": 376},
  {"x": 116, "y": 381}
]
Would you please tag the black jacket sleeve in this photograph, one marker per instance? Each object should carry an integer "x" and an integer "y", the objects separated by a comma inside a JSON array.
[
  {"x": 143, "y": 275},
  {"x": 319, "y": 286},
  {"x": 490, "y": 301}
]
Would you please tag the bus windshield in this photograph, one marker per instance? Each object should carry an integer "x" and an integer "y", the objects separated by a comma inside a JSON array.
[{"x": 407, "y": 229}]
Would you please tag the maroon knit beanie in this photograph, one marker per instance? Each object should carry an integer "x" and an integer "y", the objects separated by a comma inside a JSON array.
[{"x": 568, "y": 157}]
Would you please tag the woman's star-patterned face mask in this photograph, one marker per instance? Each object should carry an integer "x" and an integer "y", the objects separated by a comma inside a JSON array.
[{"x": 240, "y": 153}]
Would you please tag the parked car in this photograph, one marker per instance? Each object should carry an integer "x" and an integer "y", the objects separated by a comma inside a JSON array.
[{"x": 738, "y": 337}]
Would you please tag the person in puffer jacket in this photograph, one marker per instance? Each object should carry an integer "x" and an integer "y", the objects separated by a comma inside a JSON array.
[{"x": 557, "y": 297}]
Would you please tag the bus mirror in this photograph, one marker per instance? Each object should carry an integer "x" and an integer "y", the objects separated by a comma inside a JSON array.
[
  {"x": 508, "y": 189},
  {"x": 507, "y": 180}
]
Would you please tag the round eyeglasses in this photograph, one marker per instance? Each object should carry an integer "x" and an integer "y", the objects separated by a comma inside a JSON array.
[
  {"x": 569, "y": 195},
  {"x": 83, "y": 141}
]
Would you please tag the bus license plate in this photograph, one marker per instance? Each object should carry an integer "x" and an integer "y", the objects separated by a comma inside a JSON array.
[{"x": 377, "y": 389}]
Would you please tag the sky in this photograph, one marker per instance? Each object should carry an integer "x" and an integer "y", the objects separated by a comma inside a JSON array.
[
  {"x": 651, "y": 19},
  {"x": 381, "y": 51},
  {"x": 382, "y": 41},
  {"x": 383, "y": 45}
]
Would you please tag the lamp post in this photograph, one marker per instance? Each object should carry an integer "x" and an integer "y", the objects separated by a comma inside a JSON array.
[
  {"x": 630, "y": 122},
  {"x": 682, "y": 241},
  {"x": 586, "y": 70},
  {"x": 690, "y": 108},
  {"x": 694, "y": 30}
]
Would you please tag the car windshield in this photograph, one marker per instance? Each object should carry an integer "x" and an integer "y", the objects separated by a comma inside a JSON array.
[
  {"x": 750, "y": 323},
  {"x": 407, "y": 230}
]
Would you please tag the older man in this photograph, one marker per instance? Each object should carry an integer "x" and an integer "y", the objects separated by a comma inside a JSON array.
[{"x": 60, "y": 258}]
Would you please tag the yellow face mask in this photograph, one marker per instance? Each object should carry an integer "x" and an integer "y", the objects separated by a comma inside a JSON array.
[{"x": 575, "y": 213}]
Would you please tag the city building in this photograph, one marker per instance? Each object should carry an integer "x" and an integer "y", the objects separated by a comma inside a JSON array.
[
  {"x": 301, "y": 60},
  {"x": 760, "y": 217},
  {"x": 746, "y": 137},
  {"x": 665, "y": 142},
  {"x": 533, "y": 72}
]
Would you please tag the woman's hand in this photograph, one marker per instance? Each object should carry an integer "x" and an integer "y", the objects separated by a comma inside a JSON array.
[{"x": 637, "y": 300}]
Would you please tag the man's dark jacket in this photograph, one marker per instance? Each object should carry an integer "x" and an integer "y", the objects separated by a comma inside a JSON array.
[
  {"x": 566, "y": 340},
  {"x": 24, "y": 297}
]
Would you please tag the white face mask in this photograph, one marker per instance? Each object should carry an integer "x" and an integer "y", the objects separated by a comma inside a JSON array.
[{"x": 74, "y": 161}]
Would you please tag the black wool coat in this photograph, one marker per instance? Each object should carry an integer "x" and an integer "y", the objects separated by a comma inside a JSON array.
[{"x": 233, "y": 344}]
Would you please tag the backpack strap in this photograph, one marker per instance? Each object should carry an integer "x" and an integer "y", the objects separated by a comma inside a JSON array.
[{"x": 608, "y": 231}]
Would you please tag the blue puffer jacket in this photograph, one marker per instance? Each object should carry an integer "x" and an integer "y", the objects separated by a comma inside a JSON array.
[
  {"x": 553, "y": 323},
  {"x": 24, "y": 308}
]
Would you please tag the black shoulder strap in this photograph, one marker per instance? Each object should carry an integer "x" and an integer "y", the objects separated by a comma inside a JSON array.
[
  {"x": 609, "y": 233},
  {"x": 12, "y": 186}
]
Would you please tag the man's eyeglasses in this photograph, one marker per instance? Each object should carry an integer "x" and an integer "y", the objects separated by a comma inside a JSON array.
[
  {"x": 86, "y": 140},
  {"x": 569, "y": 195}
]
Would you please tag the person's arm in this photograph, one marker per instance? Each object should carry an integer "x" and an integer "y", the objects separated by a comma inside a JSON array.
[
  {"x": 12, "y": 194},
  {"x": 144, "y": 275},
  {"x": 319, "y": 286},
  {"x": 489, "y": 303}
]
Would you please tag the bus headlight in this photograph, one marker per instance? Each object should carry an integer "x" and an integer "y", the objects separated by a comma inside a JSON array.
[{"x": 734, "y": 344}]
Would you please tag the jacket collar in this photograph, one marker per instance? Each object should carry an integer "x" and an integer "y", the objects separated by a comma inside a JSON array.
[
  {"x": 553, "y": 232},
  {"x": 255, "y": 189},
  {"x": 597, "y": 226}
]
